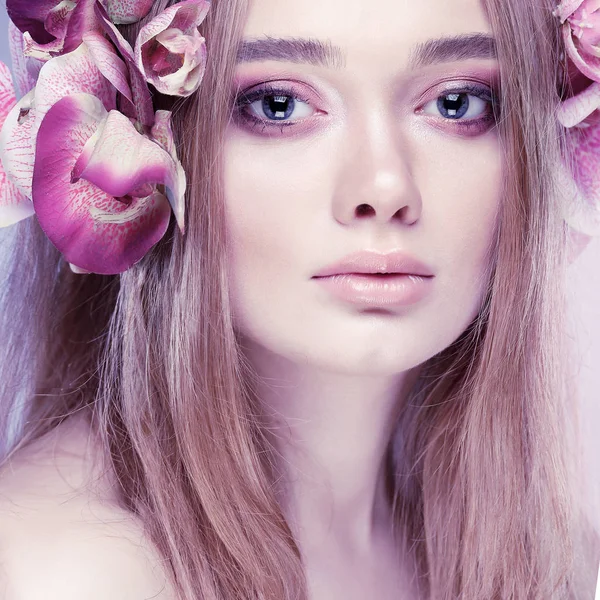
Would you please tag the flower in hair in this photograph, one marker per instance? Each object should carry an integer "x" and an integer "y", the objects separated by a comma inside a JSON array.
[
  {"x": 582, "y": 36},
  {"x": 53, "y": 26},
  {"x": 580, "y": 22},
  {"x": 83, "y": 148},
  {"x": 171, "y": 52}
]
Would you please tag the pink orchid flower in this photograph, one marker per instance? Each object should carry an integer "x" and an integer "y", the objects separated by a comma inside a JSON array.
[
  {"x": 71, "y": 73},
  {"x": 170, "y": 51},
  {"x": 44, "y": 23},
  {"x": 583, "y": 17},
  {"x": 53, "y": 27},
  {"x": 102, "y": 185},
  {"x": 581, "y": 33},
  {"x": 101, "y": 191}
]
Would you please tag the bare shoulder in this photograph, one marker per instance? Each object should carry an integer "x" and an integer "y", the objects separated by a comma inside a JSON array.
[{"x": 62, "y": 535}]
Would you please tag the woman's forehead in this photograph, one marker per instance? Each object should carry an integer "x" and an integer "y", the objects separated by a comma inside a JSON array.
[{"x": 391, "y": 25}]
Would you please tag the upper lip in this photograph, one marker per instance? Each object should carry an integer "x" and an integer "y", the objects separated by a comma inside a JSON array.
[{"x": 371, "y": 261}]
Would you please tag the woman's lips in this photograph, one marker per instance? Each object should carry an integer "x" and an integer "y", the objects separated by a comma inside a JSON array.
[{"x": 391, "y": 289}]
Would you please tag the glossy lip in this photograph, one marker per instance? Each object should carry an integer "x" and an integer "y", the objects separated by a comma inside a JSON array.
[
  {"x": 371, "y": 261},
  {"x": 377, "y": 290}
]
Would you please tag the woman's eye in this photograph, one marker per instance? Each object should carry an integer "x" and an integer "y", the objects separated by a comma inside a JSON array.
[
  {"x": 280, "y": 107},
  {"x": 461, "y": 105}
]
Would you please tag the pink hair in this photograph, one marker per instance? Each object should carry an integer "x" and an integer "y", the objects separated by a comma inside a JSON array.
[{"x": 483, "y": 466}]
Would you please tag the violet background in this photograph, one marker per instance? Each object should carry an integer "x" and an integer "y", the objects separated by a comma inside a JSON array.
[
  {"x": 584, "y": 318},
  {"x": 4, "y": 55}
]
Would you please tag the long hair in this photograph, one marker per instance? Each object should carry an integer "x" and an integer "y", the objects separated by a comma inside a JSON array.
[{"x": 482, "y": 468}]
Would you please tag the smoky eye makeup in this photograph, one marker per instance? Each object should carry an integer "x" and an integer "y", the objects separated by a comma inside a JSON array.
[
  {"x": 273, "y": 106},
  {"x": 277, "y": 109},
  {"x": 469, "y": 108}
]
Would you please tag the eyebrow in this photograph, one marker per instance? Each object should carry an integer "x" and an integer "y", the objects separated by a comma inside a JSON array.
[{"x": 325, "y": 54}]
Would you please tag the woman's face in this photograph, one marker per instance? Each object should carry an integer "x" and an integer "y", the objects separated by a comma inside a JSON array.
[{"x": 367, "y": 151}]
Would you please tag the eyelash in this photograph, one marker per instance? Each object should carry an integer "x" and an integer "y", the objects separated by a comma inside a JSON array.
[
  {"x": 246, "y": 99},
  {"x": 467, "y": 125}
]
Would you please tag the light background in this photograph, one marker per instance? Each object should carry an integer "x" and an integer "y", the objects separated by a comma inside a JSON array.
[{"x": 584, "y": 317}]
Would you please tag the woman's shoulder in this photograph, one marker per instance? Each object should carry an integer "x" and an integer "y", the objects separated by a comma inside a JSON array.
[{"x": 62, "y": 533}]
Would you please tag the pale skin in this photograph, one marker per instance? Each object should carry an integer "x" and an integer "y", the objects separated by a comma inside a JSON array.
[{"x": 367, "y": 132}]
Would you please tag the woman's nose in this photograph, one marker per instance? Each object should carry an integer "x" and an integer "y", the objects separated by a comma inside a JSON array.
[{"x": 374, "y": 180}]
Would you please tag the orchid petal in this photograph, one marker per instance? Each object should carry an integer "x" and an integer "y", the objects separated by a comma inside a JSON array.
[
  {"x": 128, "y": 11},
  {"x": 590, "y": 67},
  {"x": 14, "y": 205},
  {"x": 115, "y": 35},
  {"x": 162, "y": 132},
  {"x": 53, "y": 27},
  {"x": 585, "y": 25},
  {"x": 72, "y": 73},
  {"x": 43, "y": 52},
  {"x": 86, "y": 152},
  {"x": 140, "y": 92},
  {"x": 577, "y": 108},
  {"x": 187, "y": 80},
  {"x": 58, "y": 18},
  {"x": 185, "y": 16},
  {"x": 92, "y": 229},
  {"x": 65, "y": 22},
  {"x": 17, "y": 146},
  {"x": 30, "y": 16},
  {"x": 82, "y": 21},
  {"x": 108, "y": 62},
  {"x": 140, "y": 161},
  {"x": 7, "y": 92},
  {"x": 78, "y": 270},
  {"x": 176, "y": 30},
  {"x": 566, "y": 8},
  {"x": 25, "y": 70}
]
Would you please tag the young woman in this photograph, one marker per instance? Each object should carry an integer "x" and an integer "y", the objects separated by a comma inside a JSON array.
[{"x": 348, "y": 377}]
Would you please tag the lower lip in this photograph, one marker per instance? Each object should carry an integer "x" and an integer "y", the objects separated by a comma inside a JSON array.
[{"x": 378, "y": 290}]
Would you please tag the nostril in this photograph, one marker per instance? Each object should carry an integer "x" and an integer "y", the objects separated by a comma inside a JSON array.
[{"x": 364, "y": 209}]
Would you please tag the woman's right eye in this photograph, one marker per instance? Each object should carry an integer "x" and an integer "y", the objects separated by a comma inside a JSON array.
[
  {"x": 280, "y": 107},
  {"x": 273, "y": 107}
]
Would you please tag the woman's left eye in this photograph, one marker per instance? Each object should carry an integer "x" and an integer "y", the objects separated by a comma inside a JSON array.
[{"x": 472, "y": 103}]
